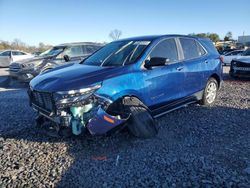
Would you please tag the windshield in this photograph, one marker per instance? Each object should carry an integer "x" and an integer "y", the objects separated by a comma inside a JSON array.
[
  {"x": 117, "y": 53},
  {"x": 53, "y": 51},
  {"x": 246, "y": 52}
]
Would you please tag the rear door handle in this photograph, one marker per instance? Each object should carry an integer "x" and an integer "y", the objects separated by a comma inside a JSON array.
[{"x": 179, "y": 68}]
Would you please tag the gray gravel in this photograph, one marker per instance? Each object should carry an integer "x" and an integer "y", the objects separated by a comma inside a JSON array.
[{"x": 196, "y": 146}]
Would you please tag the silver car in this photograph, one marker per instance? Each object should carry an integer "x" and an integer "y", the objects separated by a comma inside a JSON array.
[
  {"x": 58, "y": 55},
  {"x": 9, "y": 56}
]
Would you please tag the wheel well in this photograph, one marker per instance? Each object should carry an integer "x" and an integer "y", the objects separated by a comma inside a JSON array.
[
  {"x": 217, "y": 78},
  {"x": 120, "y": 104}
]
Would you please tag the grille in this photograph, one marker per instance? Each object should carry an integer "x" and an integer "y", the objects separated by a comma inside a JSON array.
[
  {"x": 14, "y": 67},
  {"x": 242, "y": 68},
  {"x": 241, "y": 64},
  {"x": 42, "y": 100}
]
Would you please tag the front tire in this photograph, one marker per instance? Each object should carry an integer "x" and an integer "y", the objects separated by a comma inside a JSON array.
[
  {"x": 141, "y": 124},
  {"x": 210, "y": 92}
]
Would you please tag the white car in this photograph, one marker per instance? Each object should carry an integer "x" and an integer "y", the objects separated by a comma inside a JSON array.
[
  {"x": 9, "y": 56},
  {"x": 228, "y": 57}
]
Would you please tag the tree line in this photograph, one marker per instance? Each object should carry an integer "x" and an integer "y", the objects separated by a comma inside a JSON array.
[
  {"x": 17, "y": 44},
  {"x": 114, "y": 35},
  {"x": 214, "y": 36}
]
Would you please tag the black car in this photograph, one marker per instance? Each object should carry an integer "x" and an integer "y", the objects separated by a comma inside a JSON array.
[
  {"x": 240, "y": 67},
  {"x": 27, "y": 69}
]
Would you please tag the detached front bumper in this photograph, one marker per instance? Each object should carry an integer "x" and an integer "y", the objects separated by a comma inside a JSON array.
[{"x": 102, "y": 122}]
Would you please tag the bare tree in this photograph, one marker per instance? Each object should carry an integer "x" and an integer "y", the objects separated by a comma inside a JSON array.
[
  {"x": 18, "y": 44},
  {"x": 229, "y": 36},
  {"x": 115, "y": 34}
]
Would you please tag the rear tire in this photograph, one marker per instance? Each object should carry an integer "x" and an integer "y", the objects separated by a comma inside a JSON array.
[
  {"x": 141, "y": 124},
  {"x": 210, "y": 92}
]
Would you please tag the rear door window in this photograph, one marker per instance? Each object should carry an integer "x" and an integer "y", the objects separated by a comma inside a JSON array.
[
  {"x": 191, "y": 48},
  {"x": 166, "y": 49},
  {"x": 246, "y": 53},
  {"x": 17, "y": 53},
  {"x": 74, "y": 51},
  {"x": 236, "y": 53}
]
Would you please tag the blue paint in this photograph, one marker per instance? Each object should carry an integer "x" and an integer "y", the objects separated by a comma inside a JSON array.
[{"x": 152, "y": 86}]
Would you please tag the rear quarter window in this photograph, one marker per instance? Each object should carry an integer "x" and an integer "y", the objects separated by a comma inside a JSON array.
[
  {"x": 17, "y": 53},
  {"x": 210, "y": 47},
  {"x": 191, "y": 48}
]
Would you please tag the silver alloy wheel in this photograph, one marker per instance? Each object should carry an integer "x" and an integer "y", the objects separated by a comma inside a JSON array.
[{"x": 211, "y": 92}]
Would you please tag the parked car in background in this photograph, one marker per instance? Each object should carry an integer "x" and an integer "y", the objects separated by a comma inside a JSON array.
[
  {"x": 240, "y": 67},
  {"x": 58, "y": 55},
  {"x": 9, "y": 56},
  {"x": 228, "y": 57},
  {"x": 225, "y": 51},
  {"x": 245, "y": 54},
  {"x": 134, "y": 80}
]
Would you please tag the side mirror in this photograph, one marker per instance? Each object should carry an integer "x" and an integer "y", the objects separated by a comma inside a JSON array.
[
  {"x": 66, "y": 58},
  {"x": 156, "y": 61}
]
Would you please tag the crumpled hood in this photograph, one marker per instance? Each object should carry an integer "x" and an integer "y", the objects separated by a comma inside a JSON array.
[
  {"x": 243, "y": 59},
  {"x": 71, "y": 77}
]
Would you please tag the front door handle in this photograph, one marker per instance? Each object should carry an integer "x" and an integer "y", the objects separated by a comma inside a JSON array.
[{"x": 179, "y": 68}]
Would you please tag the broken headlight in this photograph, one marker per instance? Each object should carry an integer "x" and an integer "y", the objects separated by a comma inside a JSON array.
[
  {"x": 74, "y": 97},
  {"x": 31, "y": 64}
]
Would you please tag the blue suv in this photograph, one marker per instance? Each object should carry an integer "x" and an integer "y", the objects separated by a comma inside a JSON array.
[{"x": 128, "y": 82}]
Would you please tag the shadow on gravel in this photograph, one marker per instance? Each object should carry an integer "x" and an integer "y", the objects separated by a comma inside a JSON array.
[
  {"x": 10, "y": 83},
  {"x": 193, "y": 144},
  {"x": 4, "y": 81}
]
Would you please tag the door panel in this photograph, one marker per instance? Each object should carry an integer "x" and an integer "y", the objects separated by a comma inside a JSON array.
[
  {"x": 5, "y": 59},
  {"x": 194, "y": 75},
  {"x": 163, "y": 84},
  {"x": 194, "y": 65}
]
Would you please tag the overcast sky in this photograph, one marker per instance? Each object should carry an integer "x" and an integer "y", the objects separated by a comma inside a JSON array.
[{"x": 59, "y": 21}]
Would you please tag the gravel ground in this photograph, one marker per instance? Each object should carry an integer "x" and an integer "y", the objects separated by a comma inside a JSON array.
[{"x": 196, "y": 146}]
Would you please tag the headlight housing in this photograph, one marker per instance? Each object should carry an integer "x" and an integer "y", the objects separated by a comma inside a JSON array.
[{"x": 63, "y": 98}]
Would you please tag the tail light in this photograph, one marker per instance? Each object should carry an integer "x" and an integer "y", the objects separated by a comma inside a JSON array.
[{"x": 222, "y": 59}]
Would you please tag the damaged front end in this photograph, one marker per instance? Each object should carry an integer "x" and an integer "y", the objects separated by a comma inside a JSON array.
[{"x": 78, "y": 110}]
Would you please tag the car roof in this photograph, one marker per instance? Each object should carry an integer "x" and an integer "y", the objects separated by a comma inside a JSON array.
[
  {"x": 236, "y": 51},
  {"x": 154, "y": 37},
  {"x": 80, "y": 43},
  {"x": 11, "y": 50}
]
